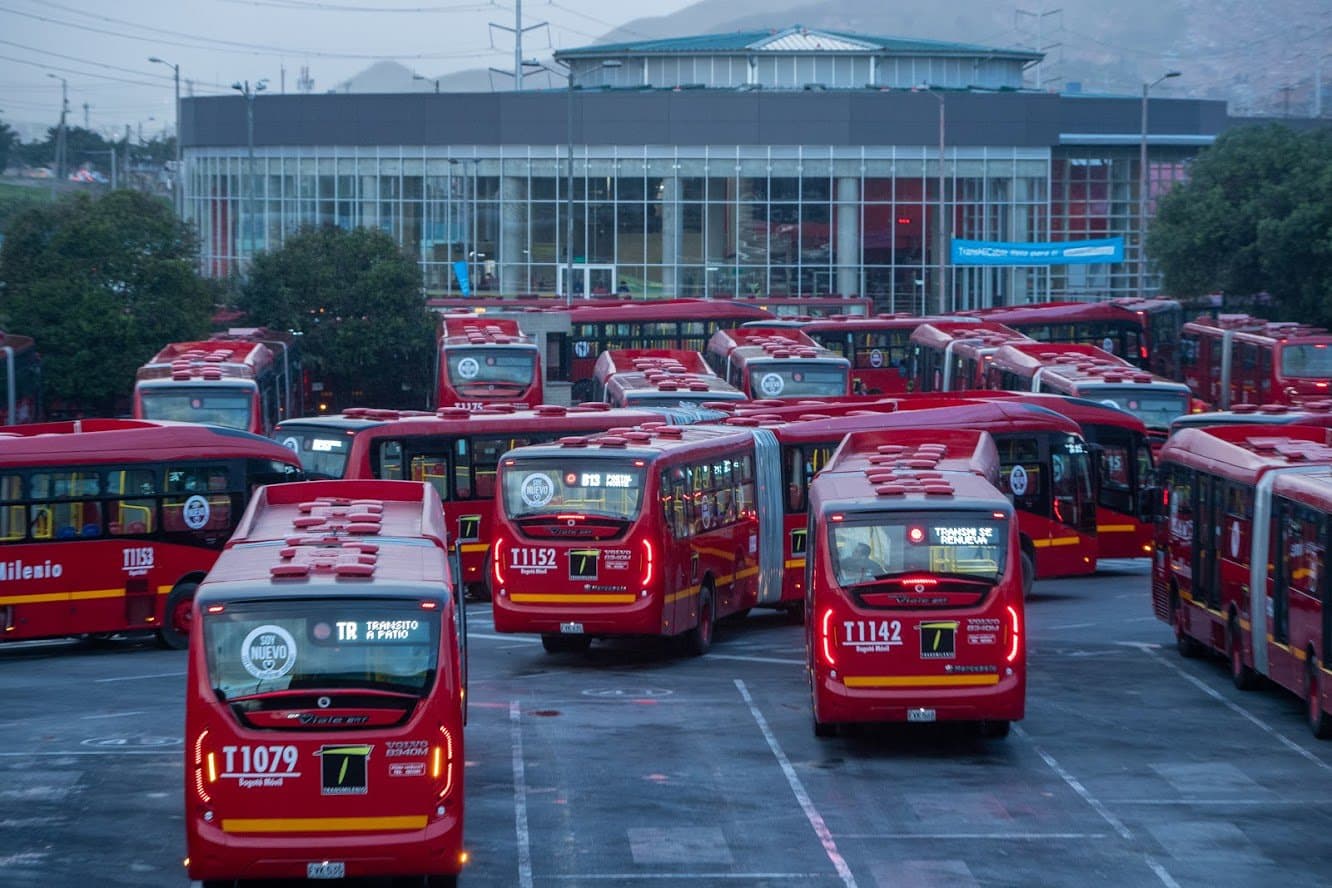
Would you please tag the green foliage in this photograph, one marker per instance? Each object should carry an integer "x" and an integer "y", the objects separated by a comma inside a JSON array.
[
  {"x": 14, "y": 199},
  {"x": 8, "y": 139},
  {"x": 1255, "y": 216},
  {"x": 356, "y": 298},
  {"x": 101, "y": 285}
]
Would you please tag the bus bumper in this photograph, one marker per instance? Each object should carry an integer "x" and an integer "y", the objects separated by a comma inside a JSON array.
[
  {"x": 835, "y": 703},
  {"x": 642, "y": 617},
  {"x": 218, "y": 854}
]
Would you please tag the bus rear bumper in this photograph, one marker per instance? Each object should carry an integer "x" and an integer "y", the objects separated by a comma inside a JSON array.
[
  {"x": 643, "y": 617},
  {"x": 835, "y": 703},
  {"x": 434, "y": 850}
]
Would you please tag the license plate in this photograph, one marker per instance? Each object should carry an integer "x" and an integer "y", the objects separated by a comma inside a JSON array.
[
  {"x": 327, "y": 869},
  {"x": 571, "y": 628},
  {"x": 920, "y": 715}
]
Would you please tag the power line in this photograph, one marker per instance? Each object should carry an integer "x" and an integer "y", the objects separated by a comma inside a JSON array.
[
  {"x": 339, "y": 7},
  {"x": 49, "y": 67}
]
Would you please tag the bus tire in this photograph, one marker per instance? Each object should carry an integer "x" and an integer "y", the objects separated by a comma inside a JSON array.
[
  {"x": 823, "y": 730},
  {"x": 1241, "y": 675},
  {"x": 175, "y": 632},
  {"x": 995, "y": 729},
  {"x": 1319, "y": 721},
  {"x": 565, "y": 644},
  {"x": 449, "y": 881},
  {"x": 1028, "y": 574},
  {"x": 698, "y": 641},
  {"x": 1187, "y": 646}
]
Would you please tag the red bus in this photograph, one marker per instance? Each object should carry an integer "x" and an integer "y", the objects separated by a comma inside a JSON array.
[
  {"x": 1045, "y": 469},
  {"x": 1238, "y": 359},
  {"x": 325, "y": 692},
  {"x": 806, "y": 306},
  {"x": 237, "y": 383},
  {"x": 627, "y": 360},
  {"x": 457, "y": 451},
  {"x": 1085, "y": 371},
  {"x": 1316, "y": 413},
  {"x": 950, "y": 356},
  {"x": 1241, "y": 554},
  {"x": 487, "y": 361},
  {"x": 777, "y": 362},
  {"x": 650, "y": 531},
  {"x": 109, "y": 525},
  {"x": 669, "y": 388},
  {"x": 660, "y": 323},
  {"x": 1142, "y": 331},
  {"x": 20, "y": 380},
  {"x": 915, "y": 609},
  {"x": 878, "y": 347}
]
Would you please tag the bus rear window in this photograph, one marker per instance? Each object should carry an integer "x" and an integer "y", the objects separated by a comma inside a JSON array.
[
  {"x": 609, "y": 488},
  {"x": 482, "y": 367},
  {"x": 1307, "y": 361},
  {"x": 968, "y": 545},
  {"x": 262, "y": 647},
  {"x": 322, "y": 454},
  {"x": 799, "y": 380},
  {"x": 230, "y": 409}
]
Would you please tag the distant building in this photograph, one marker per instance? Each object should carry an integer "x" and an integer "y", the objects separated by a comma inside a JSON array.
[{"x": 793, "y": 162}]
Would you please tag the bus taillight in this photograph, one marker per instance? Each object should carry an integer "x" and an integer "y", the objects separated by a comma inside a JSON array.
[
  {"x": 497, "y": 563},
  {"x": 825, "y": 632},
  {"x": 1014, "y": 629},
  {"x": 647, "y": 562},
  {"x": 441, "y": 763},
  {"x": 200, "y": 787}
]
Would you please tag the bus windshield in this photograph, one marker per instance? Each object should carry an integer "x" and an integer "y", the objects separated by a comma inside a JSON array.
[
  {"x": 968, "y": 545},
  {"x": 323, "y": 454},
  {"x": 230, "y": 408},
  {"x": 1306, "y": 361},
  {"x": 345, "y": 644},
  {"x": 1156, "y": 409},
  {"x": 474, "y": 367},
  {"x": 797, "y": 380},
  {"x": 546, "y": 487}
]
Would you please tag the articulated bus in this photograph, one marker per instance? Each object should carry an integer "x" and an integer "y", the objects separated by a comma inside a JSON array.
[
  {"x": 1141, "y": 331},
  {"x": 109, "y": 525},
  {"x": 20, "y": 380},
  {"x": 878, "y": 347},
  {"x": 326, "y": 692},
  {"x": 652, "y": 531},
  {"x": 950, "y": 356},
  {"x": 1045, "y": 469},
  {"x": 457, "y": 451},
  {"x": 806, "y": 306},
  {"x": 1314, "y": 413},
  {"x": 1085, "y": 371},
  {"x": 487, "y": 361},
  {"x": 915, "y": 606},
  {"x": 1241, "y": 555},
  {"x": 631, "y": 360},
  {"x": 1238, "y": 359},
  {"x": 235, "y": 382},
  {"x": 777, "y": 362}
]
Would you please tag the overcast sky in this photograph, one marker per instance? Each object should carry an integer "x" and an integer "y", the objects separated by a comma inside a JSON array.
[{"x": 101, "y": 48}]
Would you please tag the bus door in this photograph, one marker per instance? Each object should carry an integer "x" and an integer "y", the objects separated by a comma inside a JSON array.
[{"x": 1209, "y": 518}]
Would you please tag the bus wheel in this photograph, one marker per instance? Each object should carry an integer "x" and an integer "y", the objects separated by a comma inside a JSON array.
[
  {"x": 1184, "y": 643},
  {"x": 995, "y": 729},
  {"x": 441, "y": 881},
  {"x": 698, "y": 641},
  {"x": 738, "y": 616},
  {"x": 1319, "y": 721},
  {"x": 824, "y": 729},
  {"x": 175, "y": 631},
  {"x": 566, "y": 644},
  {"x": 1242, "y": 676},
  {"x": 478, "y": 591},
  {"x": 1028, "y": 574}
]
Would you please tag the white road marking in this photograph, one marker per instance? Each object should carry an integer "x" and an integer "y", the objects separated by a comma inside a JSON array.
[
  {"x": 1068, "y": 626},
  {"x": 520, "y": 797},
  {"x": 137, "y": 677},
  {"x": 114, "y": 714},
  {"x": 713, "y": 656},
  {"x": 1240, "y": 710},
  {"x": 1115, "y": 823},
  {"x": 806, "y": 804},
  {"x": 1001, "y": 836},
  {"x": 631, "y": 878},
  {"x": 512, "y": 638}
]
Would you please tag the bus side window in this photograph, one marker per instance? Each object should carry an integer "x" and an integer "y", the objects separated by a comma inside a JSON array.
[{"x": 11, "y": 508}]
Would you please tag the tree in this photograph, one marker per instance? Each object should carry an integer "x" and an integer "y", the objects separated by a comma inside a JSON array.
[
  {"x": 1255, "y": 216},
  {"x": 8, "y": 139},
  {"x": 356, "y": 298},
  {"x": 101, "y": 284}
]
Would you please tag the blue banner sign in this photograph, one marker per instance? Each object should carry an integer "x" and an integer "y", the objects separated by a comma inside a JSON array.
[
  {"x": 1083, "y": 252},
  {"x": 464, "y": 277}
]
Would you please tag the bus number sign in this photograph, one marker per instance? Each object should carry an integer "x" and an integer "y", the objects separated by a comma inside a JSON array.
[
  {"x": 872, "y": 636},
  {"x": 532, "y": 559}
]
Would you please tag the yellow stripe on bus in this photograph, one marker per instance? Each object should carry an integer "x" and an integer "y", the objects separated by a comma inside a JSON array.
[
  {"x": 1057, "y": 541},
  {"x": 1114, "y": 528},
  {"x": 720, "y": 553},
  {"x": 916, "y": 681},
  {"x": 683, "y": 593},
  {"x": 794, "y": 562},
  {"x": 50, "y": 597},
  {"x": 533, "y": 598},
  {"x": 321, "y": 824},
  {"x": 474, "y": 547},
  {"x": 747, "y": 572}
]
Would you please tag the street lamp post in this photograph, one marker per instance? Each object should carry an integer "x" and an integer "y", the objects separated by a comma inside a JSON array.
[
  {"x": 177, "y": 190},
  {"x": 423, "y": 77},
  {"x": 1142, "y": 185},
  {"x": 942, "y": 224},
  {"x": 243, "y": 87},
  {"x": 60, "y": 134}
]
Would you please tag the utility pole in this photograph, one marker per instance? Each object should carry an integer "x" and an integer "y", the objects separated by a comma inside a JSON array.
[
  {"x": 1039, "y": 46},
  {"x": 86, "y": 106},
  {"x": 1143, "y": 182},
  {"x": 247, "y": 215},
  {"x": 60, "y": 134},
  {"x": 518, "y": 30},
  {"x": 177, "y": 189}
]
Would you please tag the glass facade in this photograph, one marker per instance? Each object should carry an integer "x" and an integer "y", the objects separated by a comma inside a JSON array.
[{"x": 660, "y": 221}]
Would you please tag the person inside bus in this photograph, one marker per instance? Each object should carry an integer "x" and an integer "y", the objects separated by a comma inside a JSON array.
[{"x": 859, "y": 567}]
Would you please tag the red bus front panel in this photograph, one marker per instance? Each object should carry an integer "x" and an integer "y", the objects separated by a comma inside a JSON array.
[{"x": 472, "y": 375}]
